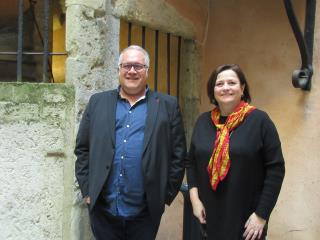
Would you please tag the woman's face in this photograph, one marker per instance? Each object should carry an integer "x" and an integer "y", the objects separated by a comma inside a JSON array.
[{"x": 228, "y": 90}]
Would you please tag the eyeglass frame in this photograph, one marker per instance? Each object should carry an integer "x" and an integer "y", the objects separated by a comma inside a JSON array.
[{"x": 133, "y": 65}]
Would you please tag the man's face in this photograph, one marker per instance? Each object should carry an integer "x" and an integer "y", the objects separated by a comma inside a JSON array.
[{"x": 133, "y": 73}]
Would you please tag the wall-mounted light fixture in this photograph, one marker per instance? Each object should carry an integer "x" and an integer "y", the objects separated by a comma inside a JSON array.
[{"x": 301, "y": 78}]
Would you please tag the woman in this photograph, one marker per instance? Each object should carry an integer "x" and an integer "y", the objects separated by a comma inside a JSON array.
[{"x": 235, "y": 166}]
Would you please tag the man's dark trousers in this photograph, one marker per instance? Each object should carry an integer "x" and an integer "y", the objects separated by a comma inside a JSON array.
[{"x": 107, "y": 227}]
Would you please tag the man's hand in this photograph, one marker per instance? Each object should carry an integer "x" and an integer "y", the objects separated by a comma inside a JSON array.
[{"x": 87, "y": 200}]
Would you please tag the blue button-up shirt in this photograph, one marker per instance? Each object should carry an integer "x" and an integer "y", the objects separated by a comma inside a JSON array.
[{"x": 124, "y": 191}]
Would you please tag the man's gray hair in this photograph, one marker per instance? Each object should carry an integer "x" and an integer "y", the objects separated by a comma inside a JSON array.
[{"x": 136, "y": 47}]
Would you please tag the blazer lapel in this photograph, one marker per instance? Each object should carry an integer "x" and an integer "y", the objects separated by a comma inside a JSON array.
[
  {"x": 152, "y": 111},
  {"x": 111, "y": 106}
]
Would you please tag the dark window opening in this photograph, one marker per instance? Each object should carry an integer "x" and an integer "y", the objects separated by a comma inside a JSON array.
[{"x": 32, "y": 41}]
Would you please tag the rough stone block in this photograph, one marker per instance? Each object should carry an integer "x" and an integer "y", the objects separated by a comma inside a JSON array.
[{"x": 95, "y": 4}]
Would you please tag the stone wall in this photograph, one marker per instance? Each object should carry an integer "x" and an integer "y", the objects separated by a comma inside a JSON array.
[
  {"x": 36, "y": 144},
  {"x": 92, "y": 43}
]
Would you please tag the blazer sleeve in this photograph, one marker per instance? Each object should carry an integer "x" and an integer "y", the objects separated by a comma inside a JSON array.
[
  {"x": 178, "y": 151},
  {"x": 274, "y": 169},
  {"x": 81, "y": 151}
]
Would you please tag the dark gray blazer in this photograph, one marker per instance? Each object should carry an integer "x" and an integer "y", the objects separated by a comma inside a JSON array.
[{"x": 164, "y": 148}]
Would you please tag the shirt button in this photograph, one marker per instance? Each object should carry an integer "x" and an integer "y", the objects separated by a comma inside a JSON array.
[
  {"x": 125, "y": 140},
  {"x": 130, "y": 111},
  {"x": 120, "y": 174},
  {"x": 122, "y": 157},
  {"x": 128, "y": 126}
]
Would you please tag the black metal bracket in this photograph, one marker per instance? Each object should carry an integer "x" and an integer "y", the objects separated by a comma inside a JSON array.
[{"x": 301, "y": 78}]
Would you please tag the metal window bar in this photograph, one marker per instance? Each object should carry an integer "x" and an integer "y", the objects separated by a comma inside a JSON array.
[
  {"x": 168, "y": 63},
  {"x": 32, "y": 6},
  {"x": 20, "y": 42},
  {"x": 33, "y": 53},
  {"x": 129, "y": 33},
  {"x": 156, "y": 55},
  {"x": 143, "y": 36},
  {"x": 44, "y": 41},
  {"x": 178, "y": 70}
]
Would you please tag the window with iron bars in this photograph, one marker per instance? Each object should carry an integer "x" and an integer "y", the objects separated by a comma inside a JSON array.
[
  {"x": 32, "y": 41},
  {"x": 165, "y": 55}
]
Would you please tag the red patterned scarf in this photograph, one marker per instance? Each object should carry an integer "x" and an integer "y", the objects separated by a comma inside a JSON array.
[{"x": 219, "y": 163}]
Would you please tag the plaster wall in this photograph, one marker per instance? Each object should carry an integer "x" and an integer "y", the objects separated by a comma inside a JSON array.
[
  {"x": 260, "y": 40},
  {"x": 35, "y": 150},
  {"x": 197, "y": 12}
]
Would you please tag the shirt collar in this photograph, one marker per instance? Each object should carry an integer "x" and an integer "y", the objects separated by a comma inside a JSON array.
[{"x": 142, "y": 97}]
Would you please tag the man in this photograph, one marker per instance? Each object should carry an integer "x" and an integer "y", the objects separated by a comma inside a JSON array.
[{"x": 130, "y": 153}]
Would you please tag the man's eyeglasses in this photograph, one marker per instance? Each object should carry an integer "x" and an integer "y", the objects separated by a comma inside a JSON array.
[{"x": 136, "y": 66}]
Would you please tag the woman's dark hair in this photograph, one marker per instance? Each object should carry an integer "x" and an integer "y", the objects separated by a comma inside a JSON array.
[{"x": 213, "y": 78}]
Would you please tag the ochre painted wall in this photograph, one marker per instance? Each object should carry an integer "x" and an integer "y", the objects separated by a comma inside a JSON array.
[
  {"x": 257, "y": 35},
  {"x": 196, "y": 12}
]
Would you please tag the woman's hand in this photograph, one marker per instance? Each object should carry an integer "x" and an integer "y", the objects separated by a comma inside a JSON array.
[
  {"x": 199, "y": 211},
  {"x": 254, "y": 227},
  {"x": 197, "y": 206}
]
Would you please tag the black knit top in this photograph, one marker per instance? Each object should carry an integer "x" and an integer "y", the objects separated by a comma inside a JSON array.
[{"x": 254, "y": 179}]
